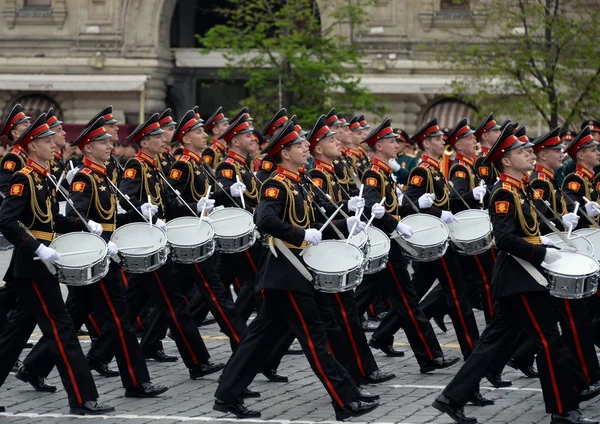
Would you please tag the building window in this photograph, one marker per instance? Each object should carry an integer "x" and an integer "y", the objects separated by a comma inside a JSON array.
[
  {"x": 37, "y": 4},
  {"x": 451, "y": 5}
]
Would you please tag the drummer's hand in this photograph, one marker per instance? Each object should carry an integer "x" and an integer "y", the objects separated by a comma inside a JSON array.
[
  {"x": 448, "y": 217},
  {"x": 71, "y": 174},
  {"x": 312, "y": 236},
  {"x": 551, "y": 256},
  {"x": 405, "y": 230},
  {"x": 426, "y": 200},
  {"x": 47, "y": 254},
  {"x": 377, "y": 211},
  {"x": 546, "y": 241},
  {"x": 360, "y": 226},
  {"x": 479, "y": 193},
  {"x": 95, "y": 228},
  {"x": 592, "y": 209},
  {"x": 356, "y": 203},
  {"x": 113, "y": 250},
  {"x": 570, "y": 219},
  {"x": 395, "y": 165},
  {"x": 148, "y": 206},
  {"x": 161, "y": 225},
  {"x": 206, "y": 204},
  {"x": 207, "y": 219},
  {"x": 237, "y": 189}
]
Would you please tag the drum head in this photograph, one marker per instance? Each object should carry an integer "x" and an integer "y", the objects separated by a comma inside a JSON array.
[
  {"x": 79, "y": 242},
  {"x": 593, "y": 236},
  {"x": 573, "y": 263},
  {"x": 359, "y": 239},
  {"x": 380, "y": 242},
  {"x": 333, "y": 256},
  {"x": 472, "y": 225},
  {"x": 189, "y": 231},
  {"x": 150, "y": 239},
  {"x": 583, "y": 245},
  {"x": 231, "y": 222},
  {"x": 432, "y": 236}
]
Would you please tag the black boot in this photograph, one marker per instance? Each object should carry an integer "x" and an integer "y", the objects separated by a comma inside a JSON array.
[
  {"x": 377, "y": 377},
  {"x": 496, "y": 380},
  {"x": 101, "y": 368},
  {"x": 354, "y": 409},
  {"x": 388, "y": 350},
  {"x": 457, "y": 413},
  {"x": 91, "y": 407},
  {"x": 36, "y": 381},
  {"x": 238, "y": 410},
  {"x": 205, "y": 369},
  {"x": 273, "y": 377},
  {"x": 161, "y": 356},
  {"x": 438, "y": 363}
]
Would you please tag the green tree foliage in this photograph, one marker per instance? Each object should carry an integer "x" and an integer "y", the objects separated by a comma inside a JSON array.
[{"x": 290, "y": 57}]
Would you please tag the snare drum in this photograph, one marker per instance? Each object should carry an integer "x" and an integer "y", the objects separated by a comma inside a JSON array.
[
  {"x": 190, "y": 239},
  {"x": 582, "y": 244},
  {"x": 472, "y": 234},
  {"x": 335, "y": 265},
  {"x": 141, "y": 248},
  {"x": 234, "y": 229},
  {"x": 431, "y": 242},
  {"x": 379, "y": 250},
  {"x": 80, "y": 269},
  {"x": 593, "y": 236},
  {"x": 573, "y": 276},
  {"x": 361, "y": 240}
]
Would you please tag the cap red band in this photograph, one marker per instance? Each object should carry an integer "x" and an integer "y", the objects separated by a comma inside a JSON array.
[
  {"x": 51, "y": 120},
  {"x": 18, "y": 116},
  {"x": 165, "y": 121},
  {"x": 363, "y": 123},
  {"x": 332, "y": 119},
  {"x": 285, "y": 140},
  {"x": 90, "y": 137},
  {"x": 108, "y": 117},
  {"x": 551, "y": 142},
  {"x": 297, "y": 128},
  {"x": 354, "y": 125},
  {"x": 489, "y": 125},
  {"x": 277, "y": 124},
  {"x": 384, "y": 131},
  {"x": 319, "y": 135}
]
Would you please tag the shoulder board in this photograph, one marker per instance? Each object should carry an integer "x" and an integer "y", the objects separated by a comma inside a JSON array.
[
  {"x": 579, "y": 174},
  {"x": 230, "y": 160},
  {"x": 17, "y": 152},
  {"x": 86, "y": 171},
  {"x": 424, "y": 165},
  {"x": 542, "y": 176},
  {"x": 140, "y": 160},
  {"x": 375, "y": 168},
  {"x": 213, "y": 147},
  {"x": 461, "y": 163},
  {"x": 184, "y": 158},
  {"x": 507, "y": 186},
  {"x": 279, "y": 177},
  {"x": 26, "y": 170}
]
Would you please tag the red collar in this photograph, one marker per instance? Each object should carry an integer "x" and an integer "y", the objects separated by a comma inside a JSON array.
[
  {"x": 350, "y": 151},
  {"x": 287, "y": 173},
  {"x": 219, "y": 146},
  {"x": 511, "y": 180},
  {"x": 589, "y": 174},
  {"x": 465, "y": 159},
  {"x": 381, "y": 164},
  {"x": 191, "y": 154},
  {"x": 431, "y": 161},
  {"x": 236, "y": 156},
  {"x": 325, "y": 166},
  {"x": 543, "y": 170},
  {"x": 20, "y": 149},
  {"x": 484, "y": 151},
  {"x": 37, "y": 167},
  {"x": 146, "y": 158},
  {"x": 57, "y": 156},
  {"x": 96, "y": 167}
]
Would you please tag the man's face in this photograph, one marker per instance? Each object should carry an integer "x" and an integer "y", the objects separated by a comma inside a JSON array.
[
  {"x": 19, "y": 128},
  {"x": 169, "y": 130},
  {"x": 297, "y": 154},
  {"x": 196, "y": 140},
  {"x": 113, "y": 130},
  {"x": 589, "y": 157},
  {"x": 519, "y": 159},
  {"x": 243, "y": 142},
  {"x": 154, "y": 143},
  {"x": 552, "y": 158},
  {"x": 43, "y": 149},
  {"x": 595, "y": 135},
  {"x": 435, "y": 146},
  {"x": 98, "y": 151},
  {"x": 490, "y": 137},
  {"x": 219, "y": 129},
  {"x": 466, "y": 145},
  {"x": 60, "y": 138},
  {"x": 388, "y": 148},
  {"x": 329, "y": 147}
]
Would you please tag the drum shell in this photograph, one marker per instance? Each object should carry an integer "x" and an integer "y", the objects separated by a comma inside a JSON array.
[
  {"x": 81, "y": 274},
  {"x": 434, "y": 250},
  {"x": 192, "y": 252},
  {"x": 377, "y": 259},
  {"x": 476, "y": 245},
  {"x": 335, "y": 281},
  {"x": 573, "y": 276},
  {"x": 141, "y": 263},
  {"x": 233, "y": 242}
]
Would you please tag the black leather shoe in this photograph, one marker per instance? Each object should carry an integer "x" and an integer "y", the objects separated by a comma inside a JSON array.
[
  {"x": 589, "y": 393},
  {"x": 161, "y": 356},
  {"x": 528, "y": 370},
  {"x": 145, "y": 390},
  {"x": 438, "y": 363},
  {"x": 16, "y": 366},
  {"x": 249, "y": 393},
  {"x": 294, "y": 351},
  {"x": 377, "y": 377},
  {"x": 101, "y": 368},
  {"x": 205, "y": 369},
  {"x": 496, "y": 380},
  {"x": 365, "y": 396},
  {"x": 238, "y": 410},
  {"x": 369, "y": 326},
  {"x": 439, "y": 321},
  {"x": 273, "y": 377},
  {"x": 445, "y": 405},
  {"x": 91, "y": 407},
  {"x": 354, "y": 409},
  {"x": 388, "y": 350},
  {"x": 36, "y": 381},
  {"x": 208, "y": 321},
  {"x": 571, "y": 417},
  {"x": 2, "y": 408},
  {"x": 478, "y": 400}
]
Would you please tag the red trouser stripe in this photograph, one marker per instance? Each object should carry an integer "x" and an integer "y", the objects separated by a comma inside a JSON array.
[
  {"x": 313, "y": 351},
  {"x": 139, "y": 322},
  {"x": 124, "y": 277},
  {"x": 249, "y": 256},
  {"x": 576, "y": 340},
  {"x": 236, "y": 281},
  {"x": 174, "y": 318},
  {"x": 236, "y": 337},
  {"x": 371, "y": 309},
  {"x": 457, "y": 305},
  {"x": 61, "y": 348},
  {"x": 486, "y": 285},
  {"x": 546, "y": 352},
  {"x": 121, "y": 335},
  {"x": 94, "y": 324},
  {"x": 350, "y": 335},
  {"x": 493, "y": 254},
  {"x": 409, "y": 310}
]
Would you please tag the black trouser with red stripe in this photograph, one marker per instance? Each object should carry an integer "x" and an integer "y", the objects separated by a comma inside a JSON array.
[
  {"x": 106, "y": 300},
  {"x": 529, "y": 312},
  {"x": 40, "y": 301},
  {"x": 279, "y": 310},
  {"x": 394, "y": 282}
]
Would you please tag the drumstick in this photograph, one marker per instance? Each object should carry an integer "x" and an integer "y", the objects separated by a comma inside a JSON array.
[
  {"x": 177, "y": 193},
  {"x": 237, "y": 177},
  {"x": 81, "y": 252},
  {"x": 372, "y": 215},
  {"x": 326, "y": 223},
  {"x": 62, "y": 175},
  {"x": 571, "y": 224},
  {"x": 465, "y": 218},
  {"x": 481, "y": 184},
  {"x": 451, "y": 184},
  {"x": 150, "y": 211},
  {"x": 224, "y": 218},
  {"x": 135, "y": 247},
  {"x": 70, "y": 202},
  {"x": 126, "y": 197}
]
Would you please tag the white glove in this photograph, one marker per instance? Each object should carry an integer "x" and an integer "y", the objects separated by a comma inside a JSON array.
[
  {"x": 312, "y": 236},
  {"x": 570, "y": 219},
  {"x": 448, "y": 217},
  {"x": 426, "y": 200},
  {"x": 360, "y": 226},
  {"x": 148, "y": 206},
  {"x": 552, "y": 255},
  {"x": 206, "y": 204},
  {"x": 479, "y": 193},
  {"x": 113, "y": 250},
  {"x": 377, "y": 210},
  {"x": 47, "y": 254},
  {"x": 399, "y": 192},
  {"x": 592, "y": 209},
  {"x": 405, "y": 230},
  {"x": 237, "y": 189},
  {"x": 546, "y": 241},
  {"x": 71, "y": 174},
  {"x": 161, "y": 225},
  {"x": 356, "y": 203},
  {"x": 395, "y": 165},
  {"x": 95, "y": 228}
]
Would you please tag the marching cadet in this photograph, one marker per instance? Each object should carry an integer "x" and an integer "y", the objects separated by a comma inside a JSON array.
[
  {"x": 407, "y": 158},
  {"x": 215, "y": 126},
  {"x": 285, "y": 212},
  {"x": 267, "y": 165},
  {"x": 486, "y": 134},
  {"x": 141, "y": 179},
  {"x": 342, "y": 167},
  {"x": 522, "y": 303},
  {"x": 113, "y": 167},
  {"x": 95, "y": 198},
  {"x": 165, "y": 158},
  {"x": 357, "y": 135},
  {"x": 29, "y": 219},
  {"x": 350, "y": 149},
  {"x": 567, "y": 165},
  {"x": 15, "y": 123}
]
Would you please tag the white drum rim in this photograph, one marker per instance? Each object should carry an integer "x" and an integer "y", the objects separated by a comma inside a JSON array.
[
  {"x": 560, "y": 272},
  {"x": 219, "y": 226},
  {"x": 346, "y": 270},
  {"x": 441, "y": 225},
  {"x": 456, "y": 226},
  {"x": 189, "y": 218},
  {"x": 80, "y": 234},
  {"x": 554, "y": 237},
  {"x": 139, "y": 255}
]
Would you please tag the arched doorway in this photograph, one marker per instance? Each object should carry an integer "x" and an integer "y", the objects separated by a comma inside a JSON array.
[
  {"x": 35, "y": 104},
  {"x": 449, "y": 112}
]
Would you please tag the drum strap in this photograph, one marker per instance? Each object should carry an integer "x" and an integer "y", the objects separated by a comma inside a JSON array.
[
  {"x": 292, "y": 258},
  {"x": 531, "y": 270}
]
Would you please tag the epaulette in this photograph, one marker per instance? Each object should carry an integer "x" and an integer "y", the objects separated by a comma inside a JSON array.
[
  {"x": 140, "y": 160},
  {"x": 424, "y": 165},
  {"x": 542, "y": 176},
  {"x": 214, "y": 148},
  {"x": 16, "y": 152},
  {"x": 230, "y": 160},
  {"x": 184, "y": 158},
  {"x": 507, "y": 186},
  {"x": 279, "y": 177},
  {"x": 319, "y": 168},
  {"x": 26, "y": 170},
  {"x": 461, "y": 163},
  {"x": 86, "y": 171},
  {"x": 579, "y": 174},
  {"x": 374, "y": 168}
]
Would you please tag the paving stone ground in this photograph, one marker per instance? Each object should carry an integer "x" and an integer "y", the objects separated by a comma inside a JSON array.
[{"x": 303, "y": 400}]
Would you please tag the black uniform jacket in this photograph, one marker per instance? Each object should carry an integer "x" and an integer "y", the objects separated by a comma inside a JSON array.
[
  {"x": 228, "y": 171},
  {"x": 464, "y": 180},
  {"x": 427, "y": 178},
  {"x": 11, "y": 162},
  {"x": 576, "y": 186},
  {"x": 542, "y": 187},
  {"x": 188, "y": 177},
  {"x": 485, "y": 171}
]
